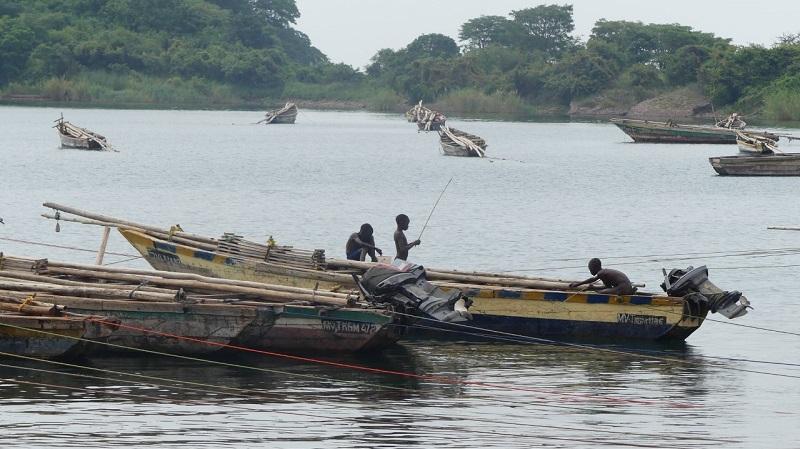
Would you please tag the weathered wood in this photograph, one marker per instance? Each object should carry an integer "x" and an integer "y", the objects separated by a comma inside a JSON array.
[{"x": 786, "y": 164}]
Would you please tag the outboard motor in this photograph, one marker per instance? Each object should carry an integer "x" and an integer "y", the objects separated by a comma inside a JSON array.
[
  {"x": 694, "y": 282},
  {"x": 407, "y": 289}
]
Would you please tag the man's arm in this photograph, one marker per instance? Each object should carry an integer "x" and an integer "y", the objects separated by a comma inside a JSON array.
[{"x": 588, "y": 281}]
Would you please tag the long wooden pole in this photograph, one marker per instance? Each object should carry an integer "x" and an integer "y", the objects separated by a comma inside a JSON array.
[{"x": 102, "y": 251}]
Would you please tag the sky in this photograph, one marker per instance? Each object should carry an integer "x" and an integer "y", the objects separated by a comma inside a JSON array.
[{"x": 352, "y": 31}]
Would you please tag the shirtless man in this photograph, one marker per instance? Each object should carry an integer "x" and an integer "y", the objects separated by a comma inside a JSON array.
[
  {"x": 362, "y": 243},
  {"x": 400, "y": 242},
  {"x": 615, "y": 282}
]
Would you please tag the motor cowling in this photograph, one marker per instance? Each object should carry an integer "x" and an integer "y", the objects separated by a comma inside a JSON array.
[
  {"x": 694, "y": 281},
  {"x": 407, "y": 288}
]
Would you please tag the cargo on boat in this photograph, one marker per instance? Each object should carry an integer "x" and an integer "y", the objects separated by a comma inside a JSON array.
[
  {"x": 455, "y": 142},
  {"x": 426, "y": 119},
  {"x": 72, "y": 136},
  {"x": 285, "y": 115},
  {"x": 532, "y": 307},
  {"x": 781, "y": 164},
  {"x": 190, "y": 314},
  {"x": 671, "y": 132}
]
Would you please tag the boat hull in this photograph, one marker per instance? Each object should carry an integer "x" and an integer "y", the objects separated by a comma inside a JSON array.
[
  {"x": 455, "y": 150},
  {"x": 49, "y": 337},
  {"x": 78, "y": 143},
  {"x": 765, "y": 165},
  {"x": 533, "y": 313},
  {"x": 643, "y": 131}
]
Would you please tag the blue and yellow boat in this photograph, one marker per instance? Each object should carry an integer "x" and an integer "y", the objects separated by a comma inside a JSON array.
[{"x": 532, "y": 308}]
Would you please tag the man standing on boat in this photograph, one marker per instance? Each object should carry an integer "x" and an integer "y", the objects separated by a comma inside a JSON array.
[
  {"x": 615, "y": 282},
  {"x": 362, "y": 243},
  {"x": 400, "y": 241}
]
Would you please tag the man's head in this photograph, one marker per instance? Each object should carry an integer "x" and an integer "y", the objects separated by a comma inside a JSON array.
[
  {"x": 366, "y": 230},
  {"x": 595, "y": 266},
  {"x": 402, "y": 221}
]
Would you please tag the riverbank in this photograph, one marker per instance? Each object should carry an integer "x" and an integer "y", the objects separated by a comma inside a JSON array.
[{"x": 686, "y": 104}]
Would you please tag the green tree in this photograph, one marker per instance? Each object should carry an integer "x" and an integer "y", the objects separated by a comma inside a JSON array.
[
  {"x": 546, "y": 28},
  {"x": 484, "y": 31},
  {"x": 432, "y": 45}
]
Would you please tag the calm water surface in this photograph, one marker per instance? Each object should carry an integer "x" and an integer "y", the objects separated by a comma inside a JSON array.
[{"x": 560, "y": 194}]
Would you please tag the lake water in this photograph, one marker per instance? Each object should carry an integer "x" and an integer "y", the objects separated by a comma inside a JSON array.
[{"x": 558, "y": 194}]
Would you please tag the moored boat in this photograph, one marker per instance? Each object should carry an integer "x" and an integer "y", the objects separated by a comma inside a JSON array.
[
  {"x": 782, "y": 164},
  {"x": 671, "y": 132},
  {"x": 285, "y": 115},
  {"x": 50, "y": 336},
  {"x": 455, "y": 142},
  {"x": 753, "y": 144},
  {"x": 72, "y": 136},
  {"x": 533, "y": 307},
  {"x": 426, "y": 119},
  {"x": 190, "y": 314}
]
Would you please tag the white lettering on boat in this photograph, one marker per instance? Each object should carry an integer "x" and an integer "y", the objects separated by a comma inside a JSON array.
[
  {"x": 349, "y": 327},
  {"x": 641, "y": 320}
]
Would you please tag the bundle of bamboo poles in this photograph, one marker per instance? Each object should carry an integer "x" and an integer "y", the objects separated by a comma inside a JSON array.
[
  {"x": 229, "y": 244},
  {"x": 48, "y": 280},
  {"x": 426, "y": 118}
]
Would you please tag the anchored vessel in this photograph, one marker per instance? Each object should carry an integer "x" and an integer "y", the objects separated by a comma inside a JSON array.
[
  {"x": 285, "y": 115},
  {"x": 426, "y": 119},
  {"x": 782, "y": 164},
  {"x": 459, "y": 143},
  {"x": 535, "y": 307},
  {"x": 72, "y": 136},
  {"x": 670, "y": 132}
]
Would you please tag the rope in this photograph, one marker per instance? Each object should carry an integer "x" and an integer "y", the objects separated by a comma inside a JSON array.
[
  {"x": 50, "y": 245},
  {"x": 26, "y": 301}
]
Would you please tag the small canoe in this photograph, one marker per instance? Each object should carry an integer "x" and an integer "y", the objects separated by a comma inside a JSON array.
[
  {"x": 283, "y": 116},
  {"x": 783, "y": 164},
  {"x": 754, "y": 145},
  {"x": 72, "y": 136},
  {"x": 455, "y": 142},
  {"x": 670, "y": 132}
]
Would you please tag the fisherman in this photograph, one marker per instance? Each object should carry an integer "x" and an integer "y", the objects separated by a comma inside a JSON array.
[
  {"x": 615, "y": 282},
  {"x": 400, "y": 241},
  {"x": 362, "y": 243}
]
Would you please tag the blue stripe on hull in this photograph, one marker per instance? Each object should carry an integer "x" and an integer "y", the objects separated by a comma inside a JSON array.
[{"x": 549, "y": 328}]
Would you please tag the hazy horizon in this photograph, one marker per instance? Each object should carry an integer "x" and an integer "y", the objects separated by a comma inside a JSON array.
[{"x": 352, "y": 31}]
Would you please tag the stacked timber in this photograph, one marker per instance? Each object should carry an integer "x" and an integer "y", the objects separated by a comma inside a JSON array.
[
  {"x": 426, "y": 119},
  {"x": 54, "y": 281},
  {"x": 235, "y": 245},
  {"x": 285, "y": 115},
  {"x": 72, "y": 136},
  {"x": 455, "y": 142}
]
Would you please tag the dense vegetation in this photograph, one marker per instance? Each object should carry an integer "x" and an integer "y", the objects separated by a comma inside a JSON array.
[{"x": 226, "y": 52}]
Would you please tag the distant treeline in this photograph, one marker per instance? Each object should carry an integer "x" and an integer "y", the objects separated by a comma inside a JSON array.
[{"x": 218, "y": 51}]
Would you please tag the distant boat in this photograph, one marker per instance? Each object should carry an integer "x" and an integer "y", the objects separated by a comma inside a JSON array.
[
  {"x": 784, "y": 164},
  {"x": 459, "y": 143},
  {"x": 285, "y": 115},
  {"x": 753, "y": 144},
  {"x": 671, "y": 132},
  {"x": 76, "y": 137}
]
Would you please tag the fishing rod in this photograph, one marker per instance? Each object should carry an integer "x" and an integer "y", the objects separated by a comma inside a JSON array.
[{"x": 434, "y": 208}]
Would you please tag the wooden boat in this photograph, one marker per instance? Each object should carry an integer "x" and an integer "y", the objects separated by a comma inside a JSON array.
[
  {"x": 76, "y": 137},
  {"x": 534, "y": 307},
  {"x": 459, "y": 143},
  {"x": 782, "y": 164},
  {"x": 190, "y": 314},
  {"x": 285, "y": 115},
  {"x": 753, "y": 144},
  {"x": 670, "y": 132}
]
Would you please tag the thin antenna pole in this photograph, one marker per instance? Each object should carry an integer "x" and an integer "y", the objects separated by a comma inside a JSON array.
[{"x": 434, "y": 208}]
